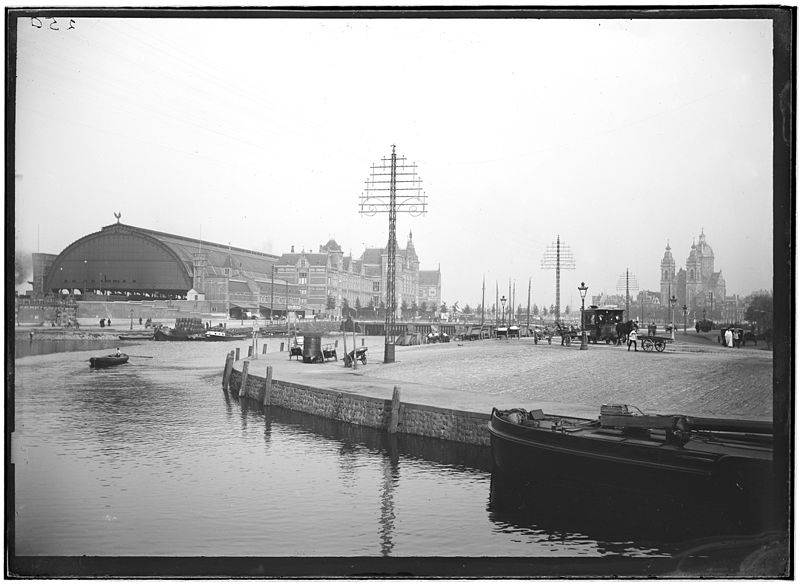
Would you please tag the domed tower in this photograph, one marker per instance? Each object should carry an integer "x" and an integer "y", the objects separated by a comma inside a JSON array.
[
  {"x": 694, "y": 279},
  {"x": 668, "y": 281}
]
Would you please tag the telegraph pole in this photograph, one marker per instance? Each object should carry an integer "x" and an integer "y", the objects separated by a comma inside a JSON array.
[
  {"x": 380, "y": 196},
  {"x": 558, "y": 256},
  {"x": 529, "y": 304},
  {"x": 483, "y": 300},
  {"x": 627, "y": 282}
]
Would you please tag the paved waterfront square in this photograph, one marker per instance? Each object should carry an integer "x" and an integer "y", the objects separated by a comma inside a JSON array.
[{"x": 693, "y": 376}]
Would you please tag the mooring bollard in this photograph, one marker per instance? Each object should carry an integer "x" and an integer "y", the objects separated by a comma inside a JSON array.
[
  {"x": 237, "y": 355},
  {"x": 250, "y": 351},
  {"x": 226, "y": 374},
  {"x": 394, "y": 417},
  {"x": 281, "y": 346},
  {"x": 267, "y": 388},
  {"x": 243, "y": 386},
  {"x": 362, "y": 342},
  {"x": 264, "y": 349}
]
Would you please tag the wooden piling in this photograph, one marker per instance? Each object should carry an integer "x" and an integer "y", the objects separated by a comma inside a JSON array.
[
  {"x": 250, "y": 351},
  {"x": 243, "y": 386},
  {"x": 394, "y": 418},
  {"x": 264, "y": 349},
  {"x": 226, "y": 376},
  {"x": 265, "y": 401},
  {"x": 237, "y": 355},
  {"x": 281, "y": 346}
]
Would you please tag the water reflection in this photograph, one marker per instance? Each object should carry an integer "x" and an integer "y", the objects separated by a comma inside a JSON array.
[
  {"x": 447, "y": 453},
  {"x": 390, "y": 466},
  {"x": 618, "y": 518}
]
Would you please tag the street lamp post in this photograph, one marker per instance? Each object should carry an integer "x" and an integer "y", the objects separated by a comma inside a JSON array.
[
  {"x": 582, "y": 289},
  {"x": 503, "y": 303},
  {"x": 672, "y": 302},
  {"x": 685, "y": 308}
]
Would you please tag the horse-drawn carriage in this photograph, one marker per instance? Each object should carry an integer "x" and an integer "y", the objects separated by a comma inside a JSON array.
[
  {"x": 568, "y": 333},
  {"x": 601, "y": 323}
]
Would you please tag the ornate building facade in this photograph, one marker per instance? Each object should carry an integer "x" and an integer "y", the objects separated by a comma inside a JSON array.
[
  {"x": 697, "y": 285},
  {"x": 328, "y": 280},
  {"x": 123, "y": 262}
]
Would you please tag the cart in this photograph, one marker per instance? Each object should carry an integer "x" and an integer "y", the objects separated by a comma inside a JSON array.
[
  {"x": 329, "y": 352},
  {"x": 359, "y": 353},
  {"x": 651, "y": 342}
]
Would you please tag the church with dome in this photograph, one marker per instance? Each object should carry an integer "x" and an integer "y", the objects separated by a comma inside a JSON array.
[{"x": 697, "y": 285}]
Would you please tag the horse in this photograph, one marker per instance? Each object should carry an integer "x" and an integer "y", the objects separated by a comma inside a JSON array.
[{"x": 623, "y": 329}]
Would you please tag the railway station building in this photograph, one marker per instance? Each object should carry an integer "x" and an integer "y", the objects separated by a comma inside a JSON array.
[{"x": 127, "y": 263}]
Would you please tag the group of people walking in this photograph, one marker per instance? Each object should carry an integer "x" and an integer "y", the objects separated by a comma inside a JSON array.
[{"x": 733, "y": 338}]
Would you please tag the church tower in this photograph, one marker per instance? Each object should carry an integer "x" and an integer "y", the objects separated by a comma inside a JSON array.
[
  {"x": 694, "y": 279},
  {"x": 705, "y": 256},
  {"x": 668, "y": 282}
]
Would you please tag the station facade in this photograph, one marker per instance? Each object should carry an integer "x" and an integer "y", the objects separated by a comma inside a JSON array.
[{"x": 123, "y": 262}]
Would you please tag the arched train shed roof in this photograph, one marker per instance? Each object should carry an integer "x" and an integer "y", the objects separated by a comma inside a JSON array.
[{"x": 126, "y": 258}]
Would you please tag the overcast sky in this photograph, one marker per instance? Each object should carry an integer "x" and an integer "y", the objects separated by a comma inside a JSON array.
[{"x": 617, "y": 135}]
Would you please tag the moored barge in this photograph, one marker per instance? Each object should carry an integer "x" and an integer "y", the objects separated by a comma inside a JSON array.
[{"x": 626, "y": 446}]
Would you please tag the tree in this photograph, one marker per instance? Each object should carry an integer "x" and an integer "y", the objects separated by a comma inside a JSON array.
[
  {"x": 423, "y": 307},
  {"x": 760, "y": 310},
  {"x": 567, "y": 309},
  {"x": 544, "y": 311},
  {"x": 535, "y": 309},
  {"x": 467, "y": 309},
  {"x": 414, "y": 308},
  {"x": 404, "y": 308},
  {"x": 330, "y": 303},
  {"x": 443, "y": 308}
]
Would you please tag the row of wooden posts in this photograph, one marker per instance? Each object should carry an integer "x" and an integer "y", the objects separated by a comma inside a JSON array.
[{"x": 266, "y": 391}]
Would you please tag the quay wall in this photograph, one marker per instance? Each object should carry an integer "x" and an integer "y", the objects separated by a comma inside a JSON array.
[{"x": 413, "y": 419}]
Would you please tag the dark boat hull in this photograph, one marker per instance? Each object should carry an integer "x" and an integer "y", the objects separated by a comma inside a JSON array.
[
  {"x": 107, "y": 361},
  {"x": 171, "y": 335},
  {"x": 624, "y": 459}
]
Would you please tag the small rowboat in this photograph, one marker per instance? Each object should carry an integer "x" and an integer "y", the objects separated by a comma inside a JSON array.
[{"x": 107, "y": 361}]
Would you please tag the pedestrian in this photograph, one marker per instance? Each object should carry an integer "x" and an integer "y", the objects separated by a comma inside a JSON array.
[
  {"x": 728, "y": 338},
  {"x": 632, "y": 337},
  {"x": 118, "y": 353},
  {"x": 737, "y": 339},
  {"x": 109, "y": 322},
  {"x": 31, "y": 336},
  {"x": 140, "y": 320}
]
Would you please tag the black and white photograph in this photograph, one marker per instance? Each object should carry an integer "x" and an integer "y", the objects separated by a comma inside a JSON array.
[{"x": 310, "y": 292}]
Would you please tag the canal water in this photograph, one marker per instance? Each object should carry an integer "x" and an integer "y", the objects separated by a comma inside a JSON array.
[{"x": 153, "y": 459}]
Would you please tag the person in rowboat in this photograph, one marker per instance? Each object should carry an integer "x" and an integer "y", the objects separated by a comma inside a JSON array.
[{"x": 118, "y": 353}]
